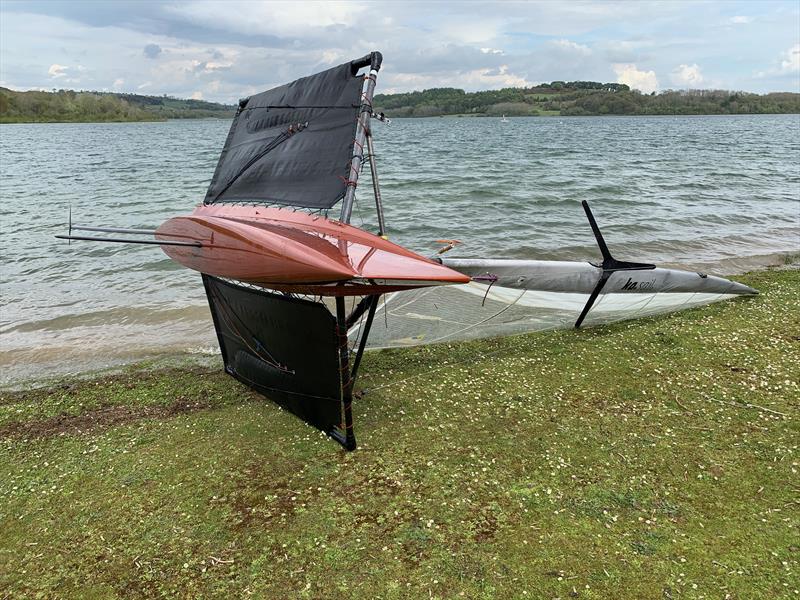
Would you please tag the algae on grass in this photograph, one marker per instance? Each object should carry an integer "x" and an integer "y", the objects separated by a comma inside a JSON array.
[{"x": 647, "y": 459}]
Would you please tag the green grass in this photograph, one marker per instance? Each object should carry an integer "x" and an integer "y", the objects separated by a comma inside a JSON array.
[{"x": 649, "y": 459}]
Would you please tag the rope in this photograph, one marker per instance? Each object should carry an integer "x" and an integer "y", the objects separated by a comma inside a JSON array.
[
  {"x": 274, "y": 143},
  {"x": 270, "y": 106},
  {"x": 273, "y": 389},
  {"x": 225, "y": 312},
  {"x": 344, "y": 369},
  {"x": 348, "y": 182}
]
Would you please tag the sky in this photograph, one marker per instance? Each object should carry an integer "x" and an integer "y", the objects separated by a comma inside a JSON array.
[{"x": 226, "y": 50}]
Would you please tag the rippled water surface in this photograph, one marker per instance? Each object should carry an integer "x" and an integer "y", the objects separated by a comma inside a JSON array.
[{"x": 717, "y": 193}]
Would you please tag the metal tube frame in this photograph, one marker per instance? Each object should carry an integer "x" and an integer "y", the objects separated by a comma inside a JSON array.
[
  {"x": 345, "y": 434},
  {"x": 375, "y": 187},
  {"x": 362, "y": 129},
  {"x": 91, "y": 238}
]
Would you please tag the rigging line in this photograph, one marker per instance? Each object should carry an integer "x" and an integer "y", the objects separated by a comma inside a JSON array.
[
  {"x": 277, "y": 140},
  {"x": 479, "y": 323},
  {"x": 268, "y": 106},
  {"x": 237, "y": 334},
  {"x": 382, "y": 302},
  {"x": 645, "y": 304},
  {"x": 419, "y": 294},
  {"x": 226, "y": 312},
  {"x": 226, "y": 318},
  {"x": 358, "y": 210},
  {"x": 358, "y": 334},
  {"x": 282, "y": 391}
]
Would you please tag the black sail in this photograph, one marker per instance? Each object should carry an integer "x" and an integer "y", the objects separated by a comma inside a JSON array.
[
  {"x": 295, "y": 146},
  {"x": 292, "y": 145}
]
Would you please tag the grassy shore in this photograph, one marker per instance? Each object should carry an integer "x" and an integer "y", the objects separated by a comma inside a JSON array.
[{"x": 649, "y": 459}]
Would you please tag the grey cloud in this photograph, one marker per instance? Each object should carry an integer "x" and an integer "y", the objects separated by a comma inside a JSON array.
[
  {"x": 424, "y": 44},
  {"x": 152, "y": 50}
]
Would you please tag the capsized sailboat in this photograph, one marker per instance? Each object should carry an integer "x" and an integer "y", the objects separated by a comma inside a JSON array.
[{"x": 294, "y": 290}]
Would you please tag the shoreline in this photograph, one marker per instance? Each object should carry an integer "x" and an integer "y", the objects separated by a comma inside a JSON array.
[
  {"x": 451, "y": 115},
  {"x": 26, "y": 366},
  {"x": 560, "y": 116},
  {"x": 166, "y": 120},
  {"x": 209, "y": 355}
]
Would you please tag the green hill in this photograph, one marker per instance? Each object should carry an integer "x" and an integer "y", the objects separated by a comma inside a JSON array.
[
  {"x": 68, "y": 106},
  {"x": 574, "y": 98},
  {"x": 579, "y": 98}
]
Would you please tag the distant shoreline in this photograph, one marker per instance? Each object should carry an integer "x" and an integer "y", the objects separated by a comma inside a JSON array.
[
  {"x": 556, "y": 99},
  {"x": 410, "y": 118},
  {"x": 68, "y": 106},
  {"x": 550, "y": 116},
  {"x": 582, "y": 98},
  {"x": 76, "y": 122}
]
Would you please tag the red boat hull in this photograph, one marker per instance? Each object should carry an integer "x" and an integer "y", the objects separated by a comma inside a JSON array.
[{"x": 296, "y": 252}]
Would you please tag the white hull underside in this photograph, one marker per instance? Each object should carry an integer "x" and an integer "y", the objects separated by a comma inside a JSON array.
[{"x": 546, "y": 295}]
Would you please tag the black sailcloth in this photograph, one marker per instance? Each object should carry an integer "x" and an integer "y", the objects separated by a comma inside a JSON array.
[
  {"x": 285, "y": 348},
  {"x": 291, "y": 145}
]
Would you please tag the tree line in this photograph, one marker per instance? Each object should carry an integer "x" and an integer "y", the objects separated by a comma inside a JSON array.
[
  {"x": 568, "y": 98},
  {"x": 581, "y": 98},
  {"x": 68, "y": 106}
]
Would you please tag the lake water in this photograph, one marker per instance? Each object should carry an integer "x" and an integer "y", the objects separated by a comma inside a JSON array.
[{"x": 721, "y": 194}]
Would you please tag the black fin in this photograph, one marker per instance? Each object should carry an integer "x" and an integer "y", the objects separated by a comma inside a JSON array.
[{"x": 609, "y": 264}]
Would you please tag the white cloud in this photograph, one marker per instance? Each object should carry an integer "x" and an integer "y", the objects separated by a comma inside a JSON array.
[
  {"x": 572, "y": 47},
  {"x": 57, "y": 70},
  {"x": 332, "y": 57},
  {"x": 118, "y": 83},
  {"x": 791, "y": 60},
  {"x": 644, "y": 81},
  {"x": 17, "y": 88},
  {"x": 470, "y": 30},
  {"x": 500, "y": 77},
  {"x": 198, "y": 95},
  {"x": 687, "y": 76},
  {"x": 491, "y": 51},
  {"x": 741, "y": 20},
  {"x": 789, "y": 65},
  {"x": 216, "y": 66}
]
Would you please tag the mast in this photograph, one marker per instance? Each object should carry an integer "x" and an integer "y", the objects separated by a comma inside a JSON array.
[{"x": 374, "y": 61}]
